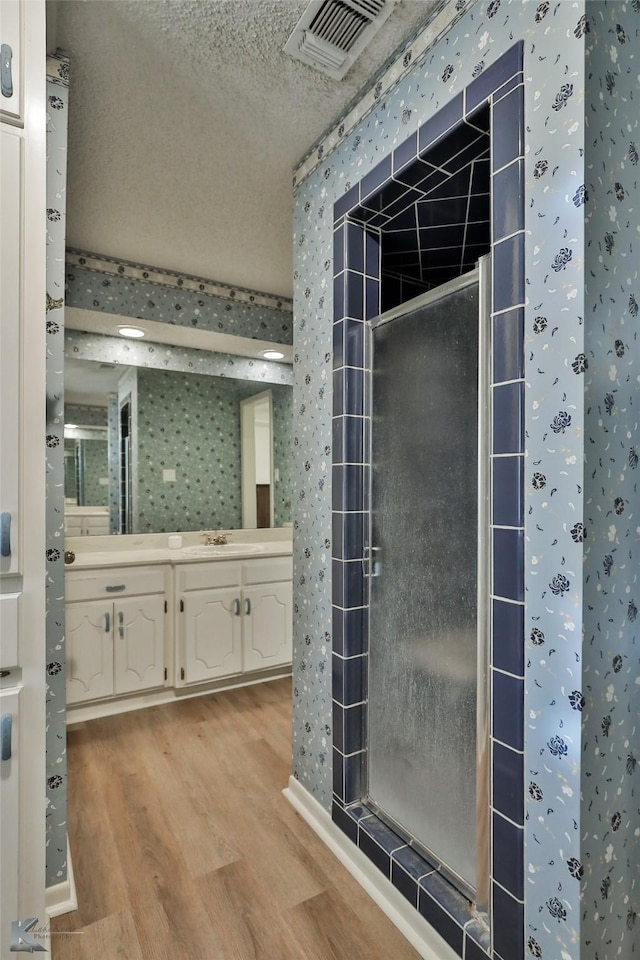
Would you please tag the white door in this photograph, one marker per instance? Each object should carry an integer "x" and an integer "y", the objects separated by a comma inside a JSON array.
[
  {"x": 212, "y": 634},
  {"x": 256, "y": 431},
  {"x": 138, "y": 644},
  {"x": 89, "y": 644},
  {"x": 10, "y": 178},
  {"x": 267, "y": 625},
  {"x": 22, "y": 465}
]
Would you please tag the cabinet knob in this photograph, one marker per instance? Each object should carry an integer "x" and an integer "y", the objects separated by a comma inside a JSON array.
[
  {"x": 236, "y": 606},
  {"x": 5, "y": 534},
  {"x": 247, "y": 606},
  {"x": 115, "y": 587},
  {"x": 5, "y": 736},
  {"x": 107, "y": 622},
  {"x": 6, "y": 80},
  {"x": 69, "y": 556}
]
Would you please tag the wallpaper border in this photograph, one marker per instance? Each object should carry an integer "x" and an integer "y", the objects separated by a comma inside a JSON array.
[{"x": 168, "y": 278}]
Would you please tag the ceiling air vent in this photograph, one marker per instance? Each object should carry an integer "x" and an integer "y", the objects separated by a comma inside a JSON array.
[{"x": 331, "y": 34}]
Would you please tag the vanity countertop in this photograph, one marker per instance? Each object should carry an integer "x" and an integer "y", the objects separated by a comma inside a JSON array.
[{"x": 156, "y": 555}]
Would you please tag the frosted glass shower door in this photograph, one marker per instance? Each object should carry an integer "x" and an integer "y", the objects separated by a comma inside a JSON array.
[{"x": 423, "y": 651}]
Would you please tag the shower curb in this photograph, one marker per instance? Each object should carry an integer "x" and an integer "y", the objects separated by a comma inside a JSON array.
[{"x": 422, "y": 937}]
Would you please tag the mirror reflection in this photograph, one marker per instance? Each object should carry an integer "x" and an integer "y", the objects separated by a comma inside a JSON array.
[{"x": 157, "y": 450}]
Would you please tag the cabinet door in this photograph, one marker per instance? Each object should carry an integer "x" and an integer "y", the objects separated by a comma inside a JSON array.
[
  {"x": 9, "y": 805},
  {"x": 212, "y": 631},
  {"x": 11, "y": 104},
  {"x": 89, "y": 643},
  {"x": 138, "y": 644},
  {"x": 73, "y": 526},
  {"x": 9, "y": 626},
  {"x": 267, "y": 625}
]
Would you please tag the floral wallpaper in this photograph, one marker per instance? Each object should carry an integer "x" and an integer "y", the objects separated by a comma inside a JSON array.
[
  {"x": 578, "y": 389},
  {"x": 56, "y": 810},
  {"x": 94, "y": 467},
  {"x": 113, "y": 458},
  {"x": 610, "y": 695},
  {"x": 282, "y": 455},
  {"x": 191, "y": 424},
  {"x": 133, "y": 290},
  {"x": 70, "y": 472}
]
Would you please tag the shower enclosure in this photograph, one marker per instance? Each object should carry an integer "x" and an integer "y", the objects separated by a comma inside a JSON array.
[{"x": 427, "y": 735}]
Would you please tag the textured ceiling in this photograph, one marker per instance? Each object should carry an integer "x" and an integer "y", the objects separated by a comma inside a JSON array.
[{"x": 185, "y": 122}]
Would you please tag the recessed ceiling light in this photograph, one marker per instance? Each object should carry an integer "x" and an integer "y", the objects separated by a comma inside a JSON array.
[
  {"x": 135, "y": 333},
  {"x": 272, "y": 355}
]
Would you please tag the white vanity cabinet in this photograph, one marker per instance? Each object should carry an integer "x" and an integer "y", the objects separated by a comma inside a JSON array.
[
  {"x": 233, "y": 618},
  {"x": 89, "y": 647},
  {"x": 86, "y": 522},
  {"x": 115, "y": 631},
  {"x": 209, "y": 624},
  {"x": 267, "y": 602}
]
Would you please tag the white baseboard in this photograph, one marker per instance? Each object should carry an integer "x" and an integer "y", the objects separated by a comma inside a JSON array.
[
  {"x": 61, "y": 898},
  {"x": 109, "y": 708},
  {"x": 421, "y": 935}
]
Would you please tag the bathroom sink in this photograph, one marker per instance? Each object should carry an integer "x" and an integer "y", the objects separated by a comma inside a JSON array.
[{"x": 223, "y": 549}]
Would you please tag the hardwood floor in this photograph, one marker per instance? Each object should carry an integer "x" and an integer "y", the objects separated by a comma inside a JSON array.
[{"x": 184, "y": 848}]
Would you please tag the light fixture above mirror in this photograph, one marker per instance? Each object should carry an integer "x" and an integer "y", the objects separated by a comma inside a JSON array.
[
  {"x": 109, "y": 324},
  {"x": 134, "y": 333}
]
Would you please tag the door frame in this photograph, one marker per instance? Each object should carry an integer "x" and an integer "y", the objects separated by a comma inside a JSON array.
[{"x": 248, "y": 457}]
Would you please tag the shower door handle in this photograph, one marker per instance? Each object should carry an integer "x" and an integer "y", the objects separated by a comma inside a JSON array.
[{"x": 372, "y": 564}]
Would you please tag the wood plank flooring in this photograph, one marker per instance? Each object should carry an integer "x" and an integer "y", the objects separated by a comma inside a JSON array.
[{"x": 184, "y": 848}]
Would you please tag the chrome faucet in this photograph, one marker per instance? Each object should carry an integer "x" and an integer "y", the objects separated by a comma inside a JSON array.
[{"x": 214, "y": 539}]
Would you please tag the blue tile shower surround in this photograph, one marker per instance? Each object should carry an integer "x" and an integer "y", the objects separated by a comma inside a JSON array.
[
  {"x": 395, "y": 207},
  {"x": 432, "y": 214}
]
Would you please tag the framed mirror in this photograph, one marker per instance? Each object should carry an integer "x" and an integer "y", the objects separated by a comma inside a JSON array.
[{"x": 152, "y": 450}]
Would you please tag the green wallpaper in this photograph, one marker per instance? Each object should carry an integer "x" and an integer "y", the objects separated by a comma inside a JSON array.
[
  {"x": 95, "y": 466},
  {"x": 92, "y": 456},
  {"x": 191, "y": 424},
  {"x": 282, "y": 453},
  {"x": 70, "y": 480}
]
